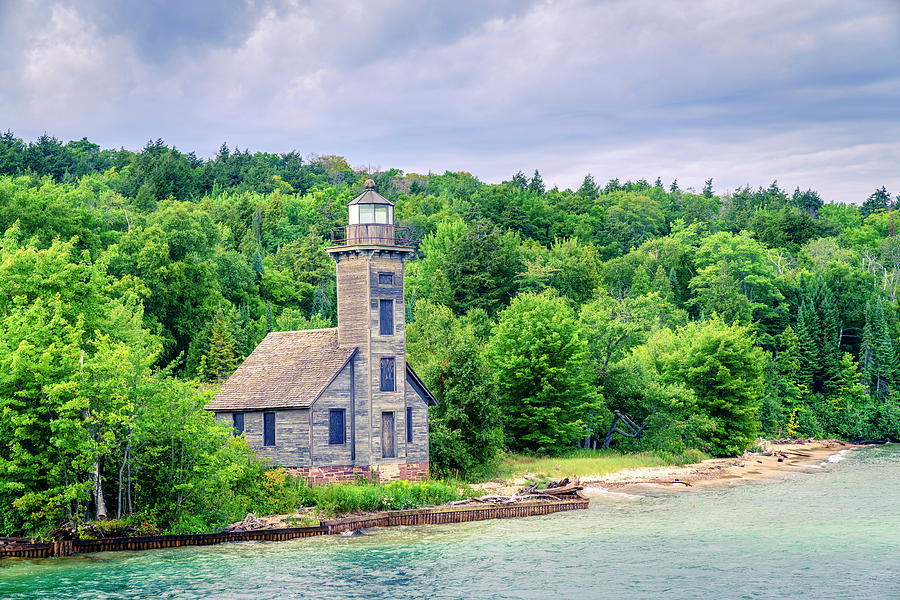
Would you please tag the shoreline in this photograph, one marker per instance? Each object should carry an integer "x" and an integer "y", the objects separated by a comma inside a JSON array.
[{"x": 773, "y": 462}]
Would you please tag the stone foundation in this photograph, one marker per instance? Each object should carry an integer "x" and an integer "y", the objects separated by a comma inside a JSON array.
[
  {"x": 414, "y": 471},
  {"x": 350, "y": 473}
]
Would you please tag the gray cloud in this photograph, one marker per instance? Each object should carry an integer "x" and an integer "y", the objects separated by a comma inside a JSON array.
[{"x": 744, "y": 92}]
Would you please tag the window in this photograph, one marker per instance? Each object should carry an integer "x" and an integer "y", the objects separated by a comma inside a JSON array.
[
  {"x": 366, "y": 213},
  {"x": 354, "y": 214},
  {"x": 387, "y": 374},
  {"x": 269, "y": 429},
  {"x": 237, "y": 423},
  {"x": 336, "y": 427},
  {"x": 386, "y": 279},
  {"x": 387, "y": 435},
  {"x": 386, "y": 317},
  {"x": 409, "y": 425}
]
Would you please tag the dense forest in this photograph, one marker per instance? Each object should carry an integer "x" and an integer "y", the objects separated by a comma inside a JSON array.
[{"x": 132, "y": 282}]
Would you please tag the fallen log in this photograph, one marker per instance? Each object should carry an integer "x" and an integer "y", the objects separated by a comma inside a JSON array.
[{"x": 660, "y": 482}]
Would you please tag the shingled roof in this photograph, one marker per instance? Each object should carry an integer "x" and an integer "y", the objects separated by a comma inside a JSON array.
[{"x": 289, "y": 369}]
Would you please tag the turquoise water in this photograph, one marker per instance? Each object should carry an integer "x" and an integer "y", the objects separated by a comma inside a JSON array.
[{"x": 832, "y": 532}]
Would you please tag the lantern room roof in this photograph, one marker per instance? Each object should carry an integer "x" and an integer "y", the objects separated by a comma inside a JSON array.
[{"x": 370, "y": 196}]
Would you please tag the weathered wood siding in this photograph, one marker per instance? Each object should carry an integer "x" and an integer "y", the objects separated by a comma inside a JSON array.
[
  {"x": 393, "y": 346},
  {"x": 417, "y": 451},
  {"x": 337, "y": 395},
  {"x": 291, "y": 447}
]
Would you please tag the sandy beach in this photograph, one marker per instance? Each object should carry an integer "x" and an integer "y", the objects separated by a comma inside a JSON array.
[{"x": 773, "y": 461}]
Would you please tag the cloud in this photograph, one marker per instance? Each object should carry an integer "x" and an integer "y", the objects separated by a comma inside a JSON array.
[{"x": 743, "y": 92}]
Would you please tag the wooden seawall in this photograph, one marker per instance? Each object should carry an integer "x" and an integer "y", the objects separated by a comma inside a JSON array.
[{"x": 22, "y": 548}]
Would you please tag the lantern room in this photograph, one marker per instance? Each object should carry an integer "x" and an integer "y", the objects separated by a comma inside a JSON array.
[{"x": 371, "y": 219}]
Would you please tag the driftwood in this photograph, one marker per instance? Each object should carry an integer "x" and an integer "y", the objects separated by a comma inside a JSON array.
[
  {"x": 632, "y": 430},
  {"x": 555, "y": 490},
  {"x": 661, "y": 482},
  {"x": 248, "y": 523}
]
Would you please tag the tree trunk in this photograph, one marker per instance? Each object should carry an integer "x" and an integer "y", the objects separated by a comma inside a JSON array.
[
  {"x": 121, "y": 478},
  {"x": 99, "y": 500}
]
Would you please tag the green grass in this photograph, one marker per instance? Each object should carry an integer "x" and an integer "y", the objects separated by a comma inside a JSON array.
[
  {"x": 342, "y": 499},
  {"x": 581, "y": 463}
]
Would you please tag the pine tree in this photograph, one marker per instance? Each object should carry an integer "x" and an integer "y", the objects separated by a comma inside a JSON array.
[
  {"x": 640, "y": 283},
  {"x": 789, "y": 377},
  {"x": 807, "y": 325},
  {"x": 589, "y": 188},
  {"x": 519, "y": 180},
  {"x": 221, "y": 358},
  {"x": 879, "y": 200},
  {"x": 829, "y": 340},
  {"x": 708, "y": 189},
  {"x": 536, "y": 185},
  {"x": 878, "y": 356}
]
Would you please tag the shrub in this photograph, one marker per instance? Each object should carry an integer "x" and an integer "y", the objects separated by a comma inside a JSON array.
[{"x": 341, "y": 499}]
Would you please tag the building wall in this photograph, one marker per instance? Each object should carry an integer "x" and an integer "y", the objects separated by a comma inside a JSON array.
[
  {"x": 417, "y": 451},
  {"x": 291, "y": 447},
  {"x": 338, "y": 395},
  {"x": 387, "y": 346}
]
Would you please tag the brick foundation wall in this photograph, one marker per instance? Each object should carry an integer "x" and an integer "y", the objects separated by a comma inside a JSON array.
[
  {"x": 349, "y": 473},
  {"x": 414, "y": 471}
]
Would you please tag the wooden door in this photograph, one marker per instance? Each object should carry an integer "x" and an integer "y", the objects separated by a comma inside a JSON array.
[{"x": 387, "y": 435}]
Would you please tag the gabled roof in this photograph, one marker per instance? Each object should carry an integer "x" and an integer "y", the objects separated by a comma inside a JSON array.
[
  {"x": 289, "y": 369},
  {"x": 416, "y": 382}
]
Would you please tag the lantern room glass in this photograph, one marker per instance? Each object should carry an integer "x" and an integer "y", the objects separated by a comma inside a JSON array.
[{"x": 370, "y": 214}]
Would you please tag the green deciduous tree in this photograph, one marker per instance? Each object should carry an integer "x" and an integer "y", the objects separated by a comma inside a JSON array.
[
  {"x": 721, "y": 366},
  {"x": 465, "y": 429},
  {"x": 540, "y": 358}
]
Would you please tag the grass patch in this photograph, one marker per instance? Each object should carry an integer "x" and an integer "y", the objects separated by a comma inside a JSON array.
[
  {"x": 341, "y": 499},
  {"x": 581, "y": 463}
]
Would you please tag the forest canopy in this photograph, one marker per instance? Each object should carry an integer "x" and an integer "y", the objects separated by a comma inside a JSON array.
[{"x": 132, "y": 283}]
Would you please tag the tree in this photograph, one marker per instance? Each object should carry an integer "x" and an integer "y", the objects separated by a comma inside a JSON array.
[
  {"x": 721, "y": 366},
  {"x": 810, "y": 201},
  {"x": 478, "y": 265},
  {"x": 589, "y": 188},
  {"x": 68, "y": 337},
  {"x": 879, "y": 200},
  {"x": 465, "y": 431},
  {"x": 536, "y": 185},
  {"x": 614, "y": 326},
  {"x": 519, "y": 180},
  {"x": 568, "y": 266},
  {"x": 221, "y": 358},
  {"x": 879, "y": 359},
  {"x": 632, "y": 219},
  {"x": 724, "y": 260},
  {"x": 545, "y": 386}
]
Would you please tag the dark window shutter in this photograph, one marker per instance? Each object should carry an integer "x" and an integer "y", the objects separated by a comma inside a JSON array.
[
  {"x": 387, "y": 375},
  {"x": 237, "y": 420},
  {"x": 336, "y": 427},
  {"x": 269, "y": 429},
  {"x": 386, "y": 279},
  {"x": 409, "y": 424},
  {"x": 386, "y": 312}
]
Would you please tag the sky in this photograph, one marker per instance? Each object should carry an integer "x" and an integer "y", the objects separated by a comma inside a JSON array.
[{"x": 806, "y": 92}]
